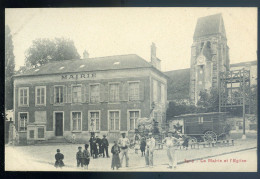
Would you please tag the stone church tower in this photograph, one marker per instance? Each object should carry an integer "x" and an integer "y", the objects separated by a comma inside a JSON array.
[{"x": 209, "y": 55}]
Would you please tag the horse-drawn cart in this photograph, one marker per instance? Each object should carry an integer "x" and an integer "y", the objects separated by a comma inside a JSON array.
[{"x": 203, "y": 127}]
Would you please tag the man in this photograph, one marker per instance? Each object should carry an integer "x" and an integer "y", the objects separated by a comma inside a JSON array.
[
  {"x": 170, "y": 141},
  {"x": 124, "y": 144},
  {"x": 104, "y": 145},
  {"x": 150, "y": 146},
  {"x": 91, "y": 141}
]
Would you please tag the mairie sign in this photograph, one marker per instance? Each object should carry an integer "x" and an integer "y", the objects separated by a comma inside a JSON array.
[{"x": 78, "y": 76}]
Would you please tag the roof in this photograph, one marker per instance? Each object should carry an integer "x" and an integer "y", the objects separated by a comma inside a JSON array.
[
  {"x": 241, "y": 64},
  {"x": 90, "y": 64},
  {"x": 200, "y": 114},
  {"x": 209, "y": 25}
]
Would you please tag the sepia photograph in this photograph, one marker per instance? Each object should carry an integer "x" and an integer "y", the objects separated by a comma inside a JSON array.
[{"x": 144, "y": 89}]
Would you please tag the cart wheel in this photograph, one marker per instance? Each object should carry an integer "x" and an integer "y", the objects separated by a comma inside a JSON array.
[
  {"x": 193, "y": 140},
  {"x": 210, "y": 136}
]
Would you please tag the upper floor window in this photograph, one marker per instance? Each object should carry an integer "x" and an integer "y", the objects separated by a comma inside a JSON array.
[
  {"x": 76, "y": 94},
  {"x": 24, "y": 96},
  {"x": 23, "y": 119},
  {"x": 76, "y": 121},
  {"x": 40, "y": 95},
  {"x": 94, "y": 93},
  {"x": 133, "y": 91},
  {"x": 114, "y": 92},
  {"x": 58, "y": 95}
]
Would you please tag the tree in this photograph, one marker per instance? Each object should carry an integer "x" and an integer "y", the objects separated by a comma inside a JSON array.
[
  {"x": 43, "y": 51},
  {"x": 208, "y": 101},
  {"x": 9, "y": 68}
]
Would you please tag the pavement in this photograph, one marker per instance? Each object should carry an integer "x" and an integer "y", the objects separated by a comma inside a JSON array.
[{"x": 41, "y": 158}]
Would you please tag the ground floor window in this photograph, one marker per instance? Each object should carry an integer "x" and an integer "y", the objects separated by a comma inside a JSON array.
[
  {"x": 23, "y": 119},
  {"x": 76, "y": 121},
  {"x": 114, "y": 120},
  {"x": 133, "y": 116},
  {"x": 95, "y": 121}
]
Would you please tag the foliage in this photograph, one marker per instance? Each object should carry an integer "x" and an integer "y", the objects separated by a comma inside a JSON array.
[
  {"x": 9, "y": 68},
  {"x": 43, "y": 51},
  {"x": 175, "y": 109},
  {"x": 253, "y": 100},
  {"x": 209, "y": 102},
  {"x": 178, "y": 84}
]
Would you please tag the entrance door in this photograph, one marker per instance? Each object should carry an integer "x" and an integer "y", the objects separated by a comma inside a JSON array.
[{"x": 59, "y": 124}]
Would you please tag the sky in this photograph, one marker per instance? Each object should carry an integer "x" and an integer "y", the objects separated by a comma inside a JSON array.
[{"x": 118, "y": 31}]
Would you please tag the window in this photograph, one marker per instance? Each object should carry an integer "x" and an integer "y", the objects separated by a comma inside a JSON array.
[
  {"x": 76, "y": 94},
  {"x": 134, "y": 115},
  {"x": 40, "y": 95},
  {"x": 94, "y": 121},
  {"x": 114, "y": 120},
  {"x": 23, "y": 96},
  {"x": 114, "y": 92},
  {"x": 133, "y": 91},
  {"x": 58, "y": 95},
  {"x": 23, "y": 118},
  {"x": 94, "y": 93},
  {"x": 76, "y": 121},
  {"x": 200, "y": 120}
]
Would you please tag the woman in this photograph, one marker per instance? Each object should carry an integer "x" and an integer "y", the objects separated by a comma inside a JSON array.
[
  {"x": 143, "y": 145},
  {"x": 115, "y": 159}
]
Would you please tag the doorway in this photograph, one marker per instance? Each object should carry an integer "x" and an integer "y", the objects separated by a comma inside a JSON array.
[{"x": 58, "y": 124}]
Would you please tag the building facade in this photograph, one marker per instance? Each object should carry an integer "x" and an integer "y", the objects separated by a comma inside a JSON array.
[
  {"x": 209, "y": 55},
  {"x": 73, "y": 98}
]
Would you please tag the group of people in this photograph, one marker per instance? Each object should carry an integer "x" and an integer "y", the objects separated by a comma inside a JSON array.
[{"x": 98, "y": 147}]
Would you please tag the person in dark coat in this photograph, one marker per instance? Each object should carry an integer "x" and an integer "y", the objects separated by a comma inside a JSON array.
[
  {"x": 104, "y": 145},
  {"x": 59, "y": 157},
  {"x": 98, "y": 143},
  {"x": 80, "y": 157},
  {"x": 91, "y": 142},
  {"x": 142, "y": 146},
  {"x": 115, "y": 150},
  {"x": 86, "y": 156}
]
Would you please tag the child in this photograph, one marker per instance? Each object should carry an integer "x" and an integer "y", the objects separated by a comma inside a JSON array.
[
  {"x": 79, "y": 157},
  {"x": 142, "y": 146},
  {"x": 115, "y": 159},
  {"x": 86, "y": 156},
  {"x": 59, "y": 157}
]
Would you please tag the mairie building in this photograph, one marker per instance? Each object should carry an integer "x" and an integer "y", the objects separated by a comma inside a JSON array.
[{"x": 72, "y": 98}]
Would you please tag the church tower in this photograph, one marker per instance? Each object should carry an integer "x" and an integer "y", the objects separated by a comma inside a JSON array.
[{"x": 209, "y": 55}]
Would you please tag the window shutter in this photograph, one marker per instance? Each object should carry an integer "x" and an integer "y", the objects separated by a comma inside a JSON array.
[
  {"x": 121, "y": 91},
  {"x": 65, "y": 94},
  {"x": 141, "y": 91},
  {"x": 51, "y": 94},
  {"x": 69, "y": 94},
  {"x": 87, "y": 93},
  {"x": 83, "y": 97}
]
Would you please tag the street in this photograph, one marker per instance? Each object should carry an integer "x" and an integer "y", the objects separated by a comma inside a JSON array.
[{"x": 41, "y": 158}]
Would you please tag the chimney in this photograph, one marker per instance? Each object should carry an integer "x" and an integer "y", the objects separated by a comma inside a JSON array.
[
  {"x": 85, "y": 55},
  {"x": 156, "y": 62}
]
